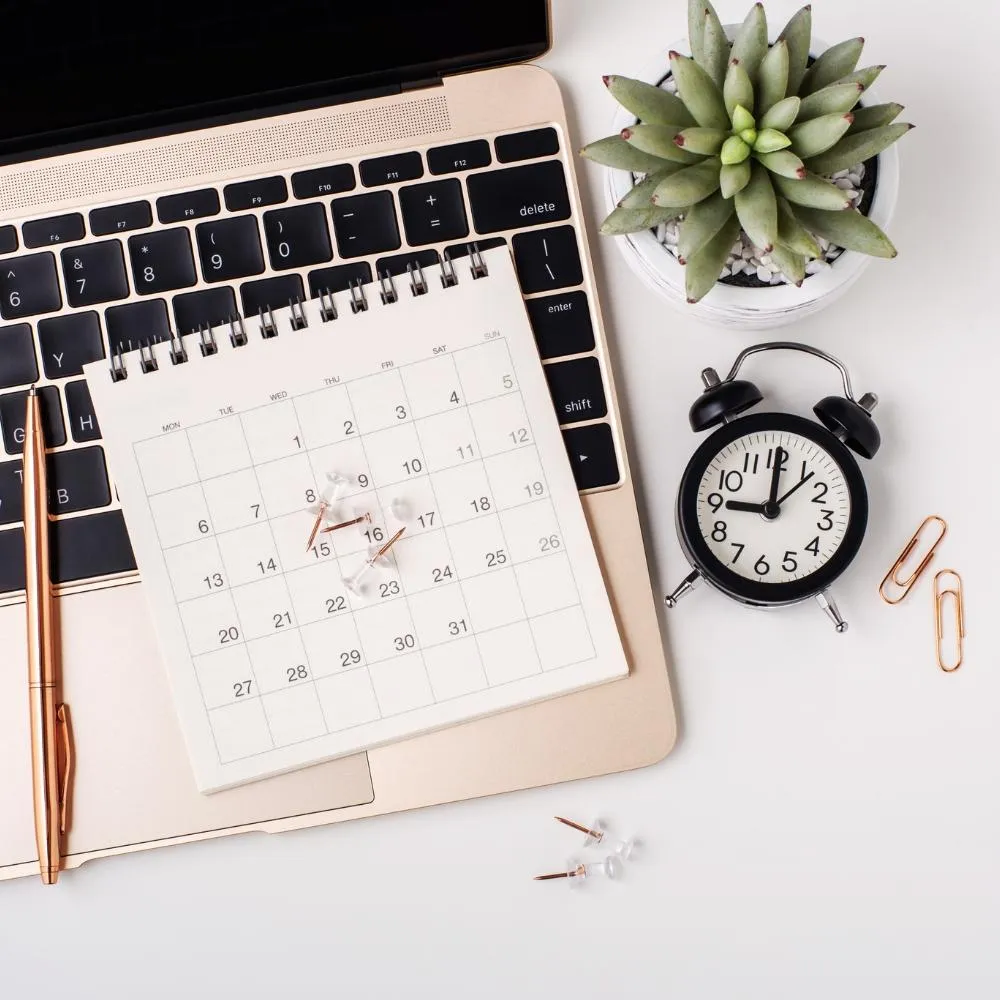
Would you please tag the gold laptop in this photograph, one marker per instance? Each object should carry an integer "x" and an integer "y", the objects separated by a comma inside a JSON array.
[{"x": 135, "y": 141}]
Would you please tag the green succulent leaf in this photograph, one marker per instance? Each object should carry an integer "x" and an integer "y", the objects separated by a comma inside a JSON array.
[
  {"x": 658, "y": 140},
  {"x": 701, "y": 223},
  {"x": 857, "y": 148},
  {"x": 791, "y": 264},
  {"x": 703, "y": 141},
  {"x": 716, "y": 48},
  {"x": 750, "y": 42},
  {"x": 782, "y": 115},
  {"x": 705, "y": 267},
  {"x": 737, "y": 91},
  {"x": 742, "y": 119},
  {"x": 866, "y": 77},
  {"x": 641, "y": 195},
  {"x": 837, "y": 98},
  {"x": 772, "y": 80},
  {"x": 696, "y": 27},
  {"x": 798, "y": 34},
  {"x": 832, "y": 65},
  {"x": 783, "y": 162},
  {"x": 792, "y": 234},
  {"x": 733, "y": 178},
  {"x": 699, "y": 93},
  {"x": 757, "y": 208},
  {"x": 874, "y": 116},
  {"x": 812, "y": 192},
  {"x": 635, "y": 220},
  {"x": 819, "y": 135},
  {"x": 770, "y": 140},
  {"x": 734, "y": 150},
  {"x": 851, "y": 230},
  {"x": 652, "y": 105},
  {"x": 688, "y": 186},
  {"x": 615, "y": 152},
  {"x": 749, "y": 136}
]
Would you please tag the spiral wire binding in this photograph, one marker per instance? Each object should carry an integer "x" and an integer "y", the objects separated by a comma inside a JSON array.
[{"x": 298, "y": 318}]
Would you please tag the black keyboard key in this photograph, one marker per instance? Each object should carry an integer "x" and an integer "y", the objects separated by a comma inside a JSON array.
[
  {"x": 229, "y": 248},
  {"x": 458, "y": 250},
  {"x": 94, "y": 273},
  {"x": 189, "y": 205},
  {"x": 69, "y": 342},
  {"x": 391, "y": 169},
  {"x": 271, "y": 293},
  {"x": 577, "y": 390},
  {"x": 256, "y": 193},
  {"x": 137, "y": 323},
  {"x": 8, "y": 239},
  {"x": 11, "y": 560},
  {"x": 83, "y": 423},
  {"x": 95, "y": 545},
  {"x": 562, "y": 324},
  {"x": 77, "y": 480},
  {"x": 323, "y": 181},
  {"x": 527, "y": 145},
  {"x": 121, "y": 218},
  {"x": 365, "y": 224},
  {"x": 210, "y": 307},
  {"x": 297, "y": 237},
  {"x": 58, "y": 229},
  {"x": 11, "y": 494},
  {"x": 433, "y": 212},
  {"x": 161, "y": 261},
  {"x": 459, "y": 156},
  {"x": 339, "y": 278},
  {"x": 518, "y": 196},
  {"x": 13, "y": 412},
  {"x": 400, "y": 264},
  {"x": 29, "y": 286},
  {"x": 547, "y": 259},
  {"x": 17, "y": 356},
  {"x": 592, "y": 455}
]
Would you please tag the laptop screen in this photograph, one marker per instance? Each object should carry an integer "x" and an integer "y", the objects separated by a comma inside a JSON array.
[{"x": 72, "y": 71}]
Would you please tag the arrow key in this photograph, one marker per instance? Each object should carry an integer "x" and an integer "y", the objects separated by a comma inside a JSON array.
[{"x": 592, "y": 455}]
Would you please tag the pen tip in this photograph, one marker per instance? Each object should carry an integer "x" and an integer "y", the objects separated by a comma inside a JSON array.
[{"x": 32, "y": 391}]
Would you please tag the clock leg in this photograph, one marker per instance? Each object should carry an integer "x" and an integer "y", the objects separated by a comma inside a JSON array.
[
  {"x": 686, "y": 586},
  {"x": 826, "y": 602}
]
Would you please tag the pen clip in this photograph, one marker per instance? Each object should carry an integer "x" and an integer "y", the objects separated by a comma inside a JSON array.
[{"x": 65, "y": 764}]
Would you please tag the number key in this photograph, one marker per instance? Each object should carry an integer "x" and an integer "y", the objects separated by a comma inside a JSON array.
[
  {"x": 229, "y": 248},
  {"x": 297, "y": 237},
  {"x": 94, "y": 273},
  {"x": 161, "y": 261},
  {"x": 29, "y": 286}
]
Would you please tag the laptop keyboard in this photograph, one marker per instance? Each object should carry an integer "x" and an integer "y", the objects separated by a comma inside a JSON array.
[{"x": 75, "y": 288}]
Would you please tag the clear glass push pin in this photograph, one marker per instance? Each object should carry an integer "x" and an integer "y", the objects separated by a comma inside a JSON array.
[
  {"x": 337, "y": 485},
  {"x": 596, "y": 834},
  {"x": 378, "y": 557},
  {"x": 401, "y": 509},
  {"x": 364, "y": 518},
  {"x": 578, "y": 871}
]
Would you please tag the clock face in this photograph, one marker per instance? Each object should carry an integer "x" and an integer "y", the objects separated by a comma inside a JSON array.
[{"x": 772, "y": 508}]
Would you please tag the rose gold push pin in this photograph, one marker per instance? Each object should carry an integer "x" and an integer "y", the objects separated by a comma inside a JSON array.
[
  {"x": 336, "y": 487},
  {"x": 596, "y": 834},
  {"x": 365, "y": 518},
  {"x": 579, "y": 872},
  {"x": 378, "y": 557}
]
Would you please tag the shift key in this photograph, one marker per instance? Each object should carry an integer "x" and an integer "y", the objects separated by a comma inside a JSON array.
[
  {"x": 532, "y": 195},
  {"x": 577, "y": 390}
]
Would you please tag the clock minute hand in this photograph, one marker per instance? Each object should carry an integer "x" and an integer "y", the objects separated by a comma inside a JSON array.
[
  {"x": 779, "y": 460},
  {"x": 801, "y": 482}
]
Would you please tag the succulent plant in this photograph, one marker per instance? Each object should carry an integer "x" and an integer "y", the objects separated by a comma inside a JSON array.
[{"x": 749, "y": 142}]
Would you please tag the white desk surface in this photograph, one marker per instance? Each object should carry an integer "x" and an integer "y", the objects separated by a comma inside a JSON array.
[{"x": 829, "y": 821}]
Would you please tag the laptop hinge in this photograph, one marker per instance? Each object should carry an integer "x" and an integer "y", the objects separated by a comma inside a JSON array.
[{"x": 430, "y": 81}]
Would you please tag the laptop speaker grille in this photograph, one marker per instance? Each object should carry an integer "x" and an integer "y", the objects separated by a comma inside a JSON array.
[{"x": 169, "y": 161}]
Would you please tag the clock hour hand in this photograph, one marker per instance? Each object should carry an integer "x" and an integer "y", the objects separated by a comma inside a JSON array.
[
  {"x": 801, "y": 482},
  {"x": 750, "y": 508}
]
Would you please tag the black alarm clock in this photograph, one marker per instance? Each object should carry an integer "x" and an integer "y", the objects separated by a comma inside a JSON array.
[{"x": 772, "y": 508}]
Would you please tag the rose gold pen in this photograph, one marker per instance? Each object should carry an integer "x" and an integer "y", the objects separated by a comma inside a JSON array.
[{"x": 50, "y": 744}]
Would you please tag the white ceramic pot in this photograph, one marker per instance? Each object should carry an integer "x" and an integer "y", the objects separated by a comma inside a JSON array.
[{"x": 730, "y": 305}]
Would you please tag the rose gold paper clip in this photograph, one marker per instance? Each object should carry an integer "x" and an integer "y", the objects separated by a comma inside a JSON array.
[
  {"x": 955, "y": 592},
  {"x": 904, "y": 586}
]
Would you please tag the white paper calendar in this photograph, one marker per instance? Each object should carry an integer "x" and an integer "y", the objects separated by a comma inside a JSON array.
[{"x": 261, "y": 483}]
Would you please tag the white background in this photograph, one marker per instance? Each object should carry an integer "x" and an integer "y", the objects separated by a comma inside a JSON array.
[{"x": 828, "y": 824}]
